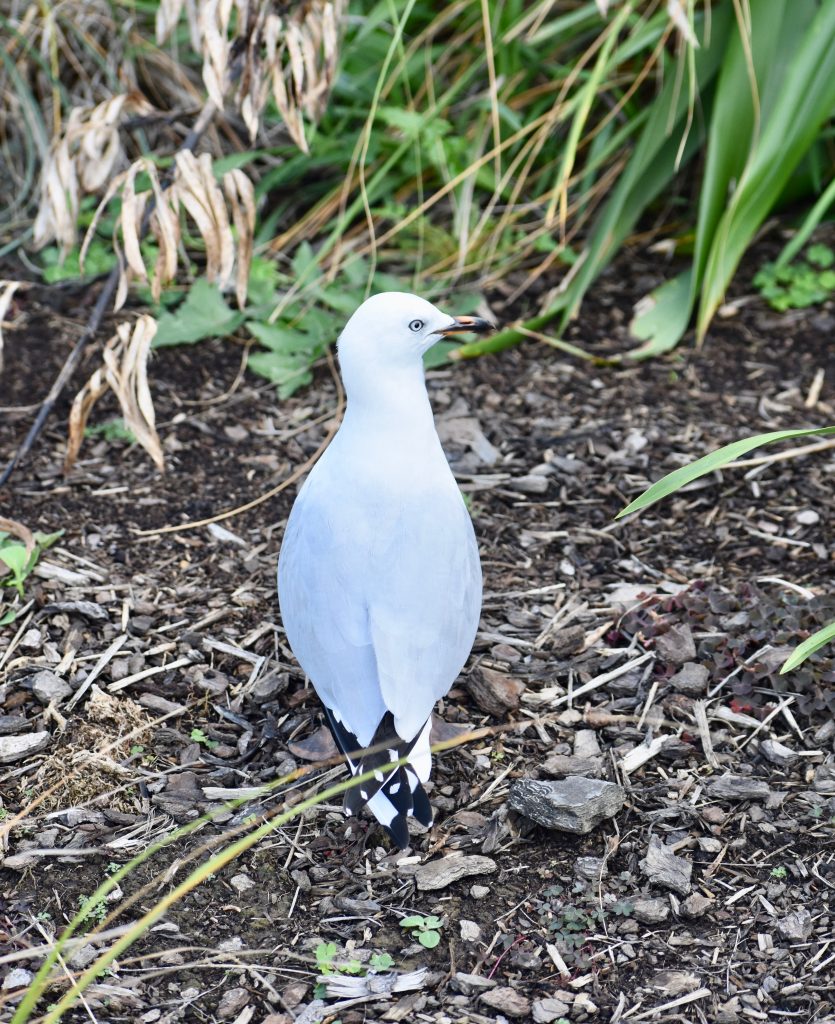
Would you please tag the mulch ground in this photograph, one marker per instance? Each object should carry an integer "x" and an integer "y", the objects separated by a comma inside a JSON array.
[{"x": 644, "y": 653}]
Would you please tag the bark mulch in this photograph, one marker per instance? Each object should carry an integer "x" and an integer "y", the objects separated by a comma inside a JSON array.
[{"x": 149, "y": 681}]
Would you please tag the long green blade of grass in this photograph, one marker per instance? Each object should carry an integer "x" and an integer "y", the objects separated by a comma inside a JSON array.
[
  {"x": 805, "y": 99},
  {"x": 802, "y": 651},
  {"x": 707, "y": 464}
]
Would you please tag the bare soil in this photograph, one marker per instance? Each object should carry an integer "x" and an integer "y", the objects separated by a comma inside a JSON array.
[{"x": 595, "y": 619}]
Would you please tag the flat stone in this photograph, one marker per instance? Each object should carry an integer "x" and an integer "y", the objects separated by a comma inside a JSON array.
[
  {"x": 651, "y": 911},
  {"x": 544, "y": 1011},
  {"x": 824, "y": 781},
  {"x": 562, "y": 765},
  {"x": 507, "y": 1000},
  {"x": 438, "y": 874},
  {"x": 12, "y": 724},
  {"x": 232, "y": 1002},
  {"x": 676, "y": 645},
  {"x": 32, "y": 640},
  {"x": 18, "y": 977},
  {"x": 591, "y": 868},
  {"x": 470, "y": 931},
  {"x": 696, "y": 905},
  {"x": 16, "y": 748},
  {"x": 586, "y": 744},
  {"x": 691, "y": 679},
  {"x": 470, "y": 984},
  {"x": 494, "y": 692},
  {"x": 48, "y": 687},
  {"x": 738, "y": 787},
  {"x": 240, "y": 883},
  {"x": 797, "y": 926},
  {"x": 663, "y": 867},
  {"x": 478, "y": 892},
  {"x": 777, "y": 753},
  {"x": 575, "y": 804}
]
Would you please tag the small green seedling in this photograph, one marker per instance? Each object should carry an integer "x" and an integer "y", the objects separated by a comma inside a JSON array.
[
  {"x": 427, "y": 930},
  {"x": 779, "y": 872},
  {"x": 200, "y": 737},
  {"x": 111, "y": 430},
  {"x": 17, "y": 562},
  {"x": 325, "y": 953},
  {"x": 93, "y": 911},
  {"x": 805, "y": 282},
  {"x": 381, "y": 962}
]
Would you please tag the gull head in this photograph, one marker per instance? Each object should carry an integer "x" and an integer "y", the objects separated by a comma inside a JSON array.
[{"x": 394, "y": 329}]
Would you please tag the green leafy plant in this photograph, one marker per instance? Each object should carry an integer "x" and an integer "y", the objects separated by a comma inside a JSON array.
[
  {"x": 111, "y": 430},
  {"x": 722, "y": 457},
  {"x": 801, "y": 283},
  {"x": 426, "y": 930},
  {"x": 19, "y": 561},
  {"x": 200, "y": 737},
  {"x": 779, "y": 872}
]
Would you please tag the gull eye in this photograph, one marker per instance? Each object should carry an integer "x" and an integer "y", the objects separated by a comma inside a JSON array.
[{"x": 416, "y": 325}]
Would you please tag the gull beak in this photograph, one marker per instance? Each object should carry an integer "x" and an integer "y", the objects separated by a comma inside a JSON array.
[{"x": 467, "y": 325}]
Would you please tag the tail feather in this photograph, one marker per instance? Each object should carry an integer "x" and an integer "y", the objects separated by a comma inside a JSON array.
[{"x": 391, "y": 795}]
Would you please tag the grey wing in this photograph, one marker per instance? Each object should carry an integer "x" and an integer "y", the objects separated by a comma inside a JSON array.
[
  {"x": 324, "y": 613},
  {"x": 424, "y": 615},
  {"x": 380, "y": 608}
]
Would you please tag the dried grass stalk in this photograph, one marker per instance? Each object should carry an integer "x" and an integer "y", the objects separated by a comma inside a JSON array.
[
  {"x": 125, "y": 359},
  {"x": 196, "y": 193},
  {"x": 291, "y": 55},
  {"x": 81, "y": 160}
]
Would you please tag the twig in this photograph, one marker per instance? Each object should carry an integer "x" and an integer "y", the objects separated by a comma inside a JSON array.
[{"x": 96, "y": 317}]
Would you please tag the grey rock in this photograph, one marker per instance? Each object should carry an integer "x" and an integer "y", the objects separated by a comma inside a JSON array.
[
  {"x": 808, "y": 517},
  {"x": 691, "y": 679},
  {"x": 738, "y": 787},
  {"x": 696, "y": 905},
  {"x": 777, "y": 753},
  {"x": 470, "y": 984},
  {"x": 824, "y": 733},
  {"x": 11, "y": 724},
  {"x": 544, "y": 1011},
  {"x": 494, "y": 692},
  {"x": 48, "y": 687},
  {"x": 663, "y": 867},
  {"x": 824, "y": 781},
  {"x": 241, "y": 882},
  {"x": 507, "y": 1000},
  {"x": 16, "y": 748},
  {"x": 676, "y": 645},
  {"x": 575, "y": 804},
  {"x": 86, "y": 609},
  {"x": 531, "y": 484},
  {"x": 232, "y": 1002},
  {"x": 478, "y": 892},
  {"x": 470, "y": 931},
  {"x": 438, "y": 874},
  {"x": 585, "y": 743},
  {"x": 84, "y": 956},
  {"x": 651, "y": 911},
  {"x": 562, "y": 765},
  {"x": 18, "y": 977},
  {"x": 591, "y": 868},
  {"x": 31, "y": 640},
  {"x": 797, "y": 926},
  {"x": 153, "y": 702}
]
